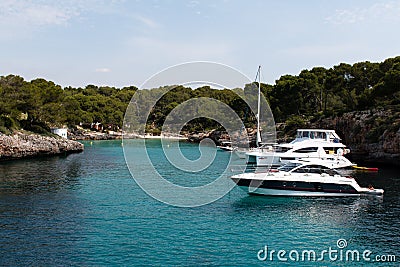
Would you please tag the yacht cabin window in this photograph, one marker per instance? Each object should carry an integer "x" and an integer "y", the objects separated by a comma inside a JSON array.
[
  {"x": 282, "y": 149},
  {"x": 306, "y": 150},
  {"x": 288, "y": 167},
  {"x": 321, "y": 135},
  {"x": 311, "y": 135},
  {"x": 315, "y": 169}
]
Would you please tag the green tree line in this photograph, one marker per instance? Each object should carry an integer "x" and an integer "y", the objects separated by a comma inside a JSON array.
[
  {"x": 343, "y": 88},
  {"x": 320, "y": 92},
  {"x": 39, "y": 104},
  {"x": 294, "y": 99}
]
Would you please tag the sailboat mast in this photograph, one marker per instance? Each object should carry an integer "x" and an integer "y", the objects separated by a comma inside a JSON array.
[{"x": 259, "y": 107}]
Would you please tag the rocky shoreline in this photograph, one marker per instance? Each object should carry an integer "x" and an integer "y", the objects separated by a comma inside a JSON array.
[
  {"x": 87, "y": 134},
  {"x": 372, "y": 136},
  {"x": 25, "y": 145}
]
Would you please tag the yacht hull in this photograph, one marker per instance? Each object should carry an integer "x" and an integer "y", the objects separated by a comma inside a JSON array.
[
  {"x": 294, "y": 193},
  {"x": 301, "y": 188}
]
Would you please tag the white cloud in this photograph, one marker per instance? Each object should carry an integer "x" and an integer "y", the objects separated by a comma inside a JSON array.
[
  {"x": 146, "y": 21},
  {"x": 389, "y": 11},
  {"x": 16, "y": 12},
  {"x": 21, "y": 19},
  {"x": 103, "y": 70},
  {"x": 46, "y": 15},
  {"x": 48, "y": 12},
  {"x": 193, "y": 3}
]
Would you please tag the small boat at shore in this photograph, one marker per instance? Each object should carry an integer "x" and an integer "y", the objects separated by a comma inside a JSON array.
[
  {"x": 226, "y": 146},
  {"x": 302, "y": 178},
  {"x": 237, "y": 151},
  {"x": 158, "y": 137}
]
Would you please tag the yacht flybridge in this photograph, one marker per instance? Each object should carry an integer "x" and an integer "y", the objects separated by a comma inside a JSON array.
[
  {"x": 309, "y": 144},
  {"x": 302, "y": 178}
]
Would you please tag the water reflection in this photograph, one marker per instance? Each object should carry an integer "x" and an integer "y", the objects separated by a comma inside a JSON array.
[
  {"x": 368, "y": 221},
  {"x": 40, "y": 174},
  {"x": 39, "y": 216},
  {"x": 310, "y": 208}
]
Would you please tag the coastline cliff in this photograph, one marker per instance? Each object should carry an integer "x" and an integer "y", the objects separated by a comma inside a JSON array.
[
  {"x": 24, "y": 145},
  {"x": 372, "y": 135}
]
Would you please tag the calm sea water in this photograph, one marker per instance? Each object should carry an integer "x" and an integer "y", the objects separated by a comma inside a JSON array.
[{"x": 86, "y": 210}]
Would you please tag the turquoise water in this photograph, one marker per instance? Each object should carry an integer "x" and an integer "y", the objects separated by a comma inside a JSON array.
[{"x": 86, "y": 210}]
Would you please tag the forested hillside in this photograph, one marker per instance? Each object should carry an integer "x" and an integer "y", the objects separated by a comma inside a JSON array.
[
  {"x": 313, "y": 94},
  {"x": 40, "y": 104},
  {"x": 325, "y": 92}
]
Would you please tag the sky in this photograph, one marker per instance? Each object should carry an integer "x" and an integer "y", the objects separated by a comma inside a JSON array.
[{"x": 122, "y": 43}]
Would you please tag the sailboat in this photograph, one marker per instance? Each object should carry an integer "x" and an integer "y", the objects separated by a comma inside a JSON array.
[
  {"x": 309, "y": 144},
  {"x": 258, "y": 142},
  {"x": 242, "y": 152}
]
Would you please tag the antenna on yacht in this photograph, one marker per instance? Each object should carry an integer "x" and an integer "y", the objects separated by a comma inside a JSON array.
[{"x": 258, "y": 106}]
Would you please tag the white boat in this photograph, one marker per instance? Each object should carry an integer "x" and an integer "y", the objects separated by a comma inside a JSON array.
[
  {"x": 302, "y": 178},
  {"x": 237, "y": 151},
  {"x": 242, "y": 152},
  {"x": 163, "y": 136},
  {"x": 227, "y": 146},
  {"x": 309, "y": 144}
]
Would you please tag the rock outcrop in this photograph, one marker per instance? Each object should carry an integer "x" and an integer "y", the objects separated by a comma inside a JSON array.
[
  {"x": 372, "y": 135},
  {"x": 214, "y": 135},
  {"x": 80, "y": 134},
  {"x": 21, "y": 145},
  {"x": 219, "y": 136}
]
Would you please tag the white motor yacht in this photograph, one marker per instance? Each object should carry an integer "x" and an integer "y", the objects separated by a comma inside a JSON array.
[
  {"x": 309, "y": 144},
  {"x": 302, "y": 178}
]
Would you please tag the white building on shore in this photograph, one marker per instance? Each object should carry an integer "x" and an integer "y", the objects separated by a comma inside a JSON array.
[{"x": 63, "y": 132}]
